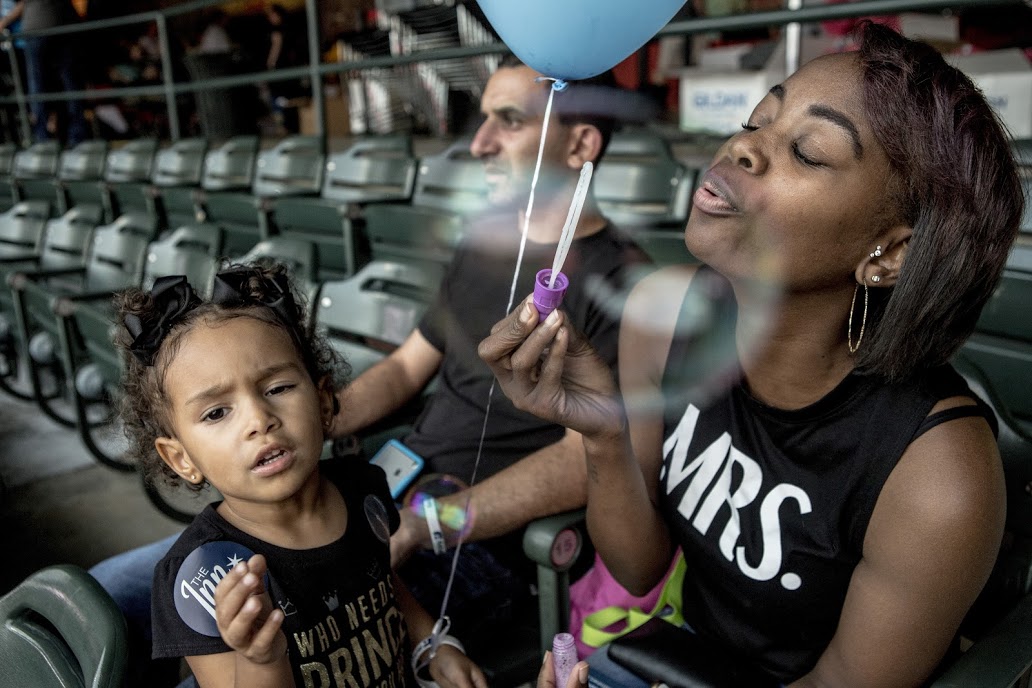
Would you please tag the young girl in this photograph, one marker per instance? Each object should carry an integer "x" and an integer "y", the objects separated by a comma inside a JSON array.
[
  {"x": 287, "y": 580},
  {"x": 841, "y": 503}
]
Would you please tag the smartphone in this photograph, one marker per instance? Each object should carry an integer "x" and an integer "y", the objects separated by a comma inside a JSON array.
[{"x": 401, "y": 465}]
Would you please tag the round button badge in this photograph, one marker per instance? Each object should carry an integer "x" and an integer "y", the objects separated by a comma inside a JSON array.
[{"x": 198, "y": 576}]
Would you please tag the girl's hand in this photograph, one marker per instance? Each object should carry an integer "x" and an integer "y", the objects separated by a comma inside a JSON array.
[
  {"x": 452, "y": 669},
  {"x": 551, "y": 371},
  {"x": 245, "y": 615}
]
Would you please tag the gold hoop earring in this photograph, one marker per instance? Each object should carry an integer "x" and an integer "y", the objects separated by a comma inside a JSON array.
[{"x": 863, "y": 322}]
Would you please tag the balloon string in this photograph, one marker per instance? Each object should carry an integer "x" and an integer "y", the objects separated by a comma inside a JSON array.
[
  {"x": 530, "y": 199},
  {"x": 558, "y": 85}
]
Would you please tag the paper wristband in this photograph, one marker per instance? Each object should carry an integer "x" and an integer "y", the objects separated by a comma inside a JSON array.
[
  {"x": 421, "y": 649},
  {"x": 434, "y": 524}
]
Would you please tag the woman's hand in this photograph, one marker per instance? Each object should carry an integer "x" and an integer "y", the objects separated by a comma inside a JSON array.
[
  {"x": 546, "y": 677},
  {"x": 551, "y": 371},
  {"x": 452, "y": 669},
  {"x": 245, "y": 615}
]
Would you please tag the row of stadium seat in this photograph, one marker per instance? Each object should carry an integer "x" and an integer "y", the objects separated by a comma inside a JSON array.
[
  {"x": 372, "y": 203},
  {"x": 366, "y": 233}
]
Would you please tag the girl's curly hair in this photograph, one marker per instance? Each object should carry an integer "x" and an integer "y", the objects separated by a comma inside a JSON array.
[{"x": 144, "y": 403}]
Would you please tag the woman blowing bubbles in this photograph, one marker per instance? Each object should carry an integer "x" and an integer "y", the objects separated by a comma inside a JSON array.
[{"x": 840, "y": 503}]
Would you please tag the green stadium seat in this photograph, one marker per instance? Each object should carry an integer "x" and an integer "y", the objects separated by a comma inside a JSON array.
[
  {"x": 21, "y": 229},
  {"x": 1002, "y": 342},
  {"x": 177, "y": 176},
  {"x": 299, "y": 257},
  {"x": 647, "y": 193},
  {"x": 35, "y": 169},
  {"x": 65, "y": 242},
  {"x": 59, "y": 628},
  {"x": 1000, "y": 622},
  {"x": 7, "y": 197},
  {"x": 127, "y": 177},
  {"x": 87, "y": 327},
  {"x": 1022, "y": 149},
  {"x": 230, "y": 167},
  {"x": 374, "y": 170},
  {"x": 639, "y": 183},
  {"x": 229, "y": 172},
  {"x": 293, "y": 167},
  {"x": 371, "y": 171},
  {"x": 450, "y": 187},
  {"x": 369, "y": 314},
  {"x": 115, "y": 260},
  {"x": 79, "y": 174},
  {"x": 91, "y": 175}
]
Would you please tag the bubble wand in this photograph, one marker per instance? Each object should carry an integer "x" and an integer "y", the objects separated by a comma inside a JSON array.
[{"x": 551, "y": 285}]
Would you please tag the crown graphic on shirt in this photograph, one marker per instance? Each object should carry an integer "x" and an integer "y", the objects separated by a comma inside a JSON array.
[
  {"x": 287, "y": 607},
  {"x": 331, "y": 601}
]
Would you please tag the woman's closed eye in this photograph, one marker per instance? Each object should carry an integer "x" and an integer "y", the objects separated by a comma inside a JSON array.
[
  {"x": 803, "y": 158},
  {"x": 797, "y": 152}
]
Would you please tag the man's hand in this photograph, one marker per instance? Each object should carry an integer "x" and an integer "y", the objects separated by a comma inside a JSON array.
[{"x": 245, "y": 615}]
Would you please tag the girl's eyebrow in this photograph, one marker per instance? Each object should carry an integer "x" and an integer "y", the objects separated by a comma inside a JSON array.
[{"x": 218, "y": 390}]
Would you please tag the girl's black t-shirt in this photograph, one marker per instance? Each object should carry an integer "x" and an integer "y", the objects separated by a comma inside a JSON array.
[{"x": 342, "y": 623}]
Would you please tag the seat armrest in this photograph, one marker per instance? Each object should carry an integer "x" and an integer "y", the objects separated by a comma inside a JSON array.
[
  {"x": 999, "y": 658},
  {"x": 17, "y": 280},
  {"x": 553, "y": 543},
  {"x": 64, "y": 305},
  {"x": 13, "y": 260},
  {"x": 542, "y": 542}
]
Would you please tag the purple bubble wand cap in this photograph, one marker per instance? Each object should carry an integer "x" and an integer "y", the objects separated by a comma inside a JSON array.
[{"x": 546, "y": 298}]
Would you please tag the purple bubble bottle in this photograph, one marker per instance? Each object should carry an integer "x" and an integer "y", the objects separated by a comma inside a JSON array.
[{"x": 564, "y": 658}]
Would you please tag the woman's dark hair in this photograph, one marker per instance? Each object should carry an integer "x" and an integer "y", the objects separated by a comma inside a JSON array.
[
  {"x": 144, "y": 403},
  {"x": 954, "y": 181}
]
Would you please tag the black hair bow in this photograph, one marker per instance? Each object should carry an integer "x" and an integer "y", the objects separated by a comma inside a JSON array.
[
  {"x": 173, "y": 297},
  {"x": 231, "y": 290}
]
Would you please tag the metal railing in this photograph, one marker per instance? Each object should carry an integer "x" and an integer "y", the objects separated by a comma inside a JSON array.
[{"x": 315, "y": 70}]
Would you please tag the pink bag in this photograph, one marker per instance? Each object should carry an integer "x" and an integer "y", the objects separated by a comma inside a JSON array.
[{"x": 597, "y": 591}]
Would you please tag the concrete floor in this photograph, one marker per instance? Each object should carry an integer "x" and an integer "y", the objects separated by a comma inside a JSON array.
[{"x": 58, "y": 504}]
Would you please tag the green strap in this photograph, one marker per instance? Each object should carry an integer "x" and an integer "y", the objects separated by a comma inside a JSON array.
[{"x": 668, "y": 608}]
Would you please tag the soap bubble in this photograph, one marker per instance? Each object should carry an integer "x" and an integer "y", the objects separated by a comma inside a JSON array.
[{"x": 456, "y": 517}]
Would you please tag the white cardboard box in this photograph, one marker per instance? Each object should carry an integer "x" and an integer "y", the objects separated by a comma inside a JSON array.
[
  {"x": 1005, "y": 77},
  {"x": 719, "y": 101}
]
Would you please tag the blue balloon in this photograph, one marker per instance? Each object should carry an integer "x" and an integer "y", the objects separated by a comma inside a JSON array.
[{"x": 576, "y": 39}]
